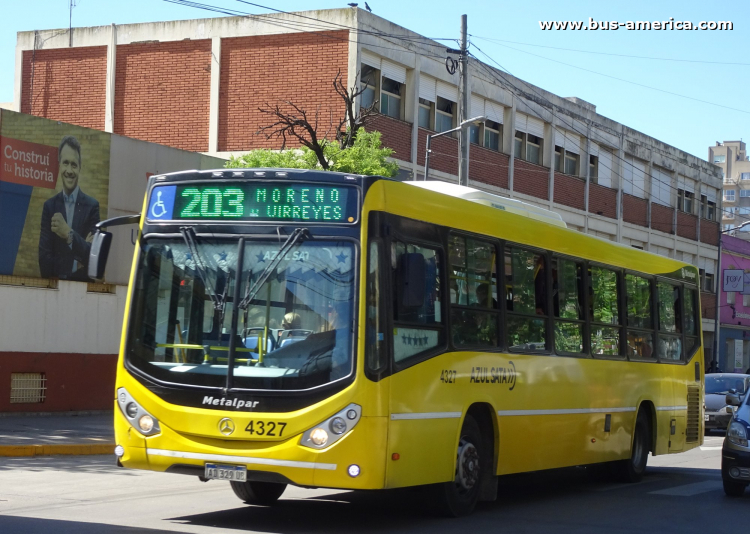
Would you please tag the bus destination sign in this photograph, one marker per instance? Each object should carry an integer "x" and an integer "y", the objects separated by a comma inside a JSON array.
[{"x": 253, "y": 202}]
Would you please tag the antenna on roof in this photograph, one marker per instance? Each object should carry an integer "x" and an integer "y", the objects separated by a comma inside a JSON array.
[{"x": 73, "y": 3}]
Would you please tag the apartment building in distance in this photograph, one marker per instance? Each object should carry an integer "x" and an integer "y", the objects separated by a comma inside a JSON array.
[
  {"x": 197, "y": 85},
  {"x": 732, "y": 157}
]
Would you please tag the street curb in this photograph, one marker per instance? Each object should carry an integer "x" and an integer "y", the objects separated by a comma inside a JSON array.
[{"x": 52, "y": 450}]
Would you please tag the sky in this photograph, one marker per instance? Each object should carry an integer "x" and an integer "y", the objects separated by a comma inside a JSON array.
[{"x": 711, "y": 68}]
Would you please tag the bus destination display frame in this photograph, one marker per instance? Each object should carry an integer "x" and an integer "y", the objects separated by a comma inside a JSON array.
[{"x": 252, "y": 201}]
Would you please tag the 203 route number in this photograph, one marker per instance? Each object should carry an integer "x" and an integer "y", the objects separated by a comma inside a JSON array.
[
  {"x": 448, "y": 376},
  {"x": 265, "y": 428}
]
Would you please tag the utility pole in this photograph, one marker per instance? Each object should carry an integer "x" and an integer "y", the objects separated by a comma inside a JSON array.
[{"x": 463, "y": 114}]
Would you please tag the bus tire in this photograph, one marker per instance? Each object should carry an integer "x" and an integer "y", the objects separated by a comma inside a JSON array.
[
  {"x": 632, "y": 469},
  {"x": 262, "y": 493},
  {"x": 458, "y": 497}
]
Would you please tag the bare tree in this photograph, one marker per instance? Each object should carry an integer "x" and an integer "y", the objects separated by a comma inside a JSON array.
[{"x": 293, "y": 122}]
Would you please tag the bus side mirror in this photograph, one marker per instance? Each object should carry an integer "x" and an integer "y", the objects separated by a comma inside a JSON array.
[
  {"x": 98, "y": 254},
  {"x": 412, "y": 277},
  {"x": 732, "y": 399}
]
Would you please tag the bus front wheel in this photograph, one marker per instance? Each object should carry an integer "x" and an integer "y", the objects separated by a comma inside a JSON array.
[
  {"x": 263, "y": 493},
  {"x": 459, "y": 496}
]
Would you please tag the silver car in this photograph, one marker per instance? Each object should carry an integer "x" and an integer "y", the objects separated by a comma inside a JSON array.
[{"x": 718, "y": 413}]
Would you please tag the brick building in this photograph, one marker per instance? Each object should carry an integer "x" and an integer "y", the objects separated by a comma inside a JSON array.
[{"x": 197, "y": 85}]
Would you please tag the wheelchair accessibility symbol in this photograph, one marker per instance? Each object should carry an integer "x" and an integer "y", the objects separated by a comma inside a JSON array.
[
  {"x": 162, "y": 203},
  {"x": 158, "y": 210}
]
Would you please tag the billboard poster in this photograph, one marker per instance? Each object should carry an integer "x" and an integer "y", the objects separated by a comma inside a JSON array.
[
  {"x": 734, "y": 280},
  {"x": 54, "y": 186}
]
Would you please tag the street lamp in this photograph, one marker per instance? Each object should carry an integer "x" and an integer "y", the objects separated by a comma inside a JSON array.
[
  {"x": 475, "y": 120},
  {"x": 719, "y": 281}
]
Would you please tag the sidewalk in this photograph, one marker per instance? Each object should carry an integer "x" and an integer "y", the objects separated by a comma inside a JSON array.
[{"x": 46, "y": 435}]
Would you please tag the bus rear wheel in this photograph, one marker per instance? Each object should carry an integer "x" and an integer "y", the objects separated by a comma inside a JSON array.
[
  {"x": 263, "y": 493},
  {"x": 632, "y": 469},
  {"x": 459, "y": 496}
]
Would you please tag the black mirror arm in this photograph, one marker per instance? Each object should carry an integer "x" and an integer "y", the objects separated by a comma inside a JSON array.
[{"x": 118, "y": 221}]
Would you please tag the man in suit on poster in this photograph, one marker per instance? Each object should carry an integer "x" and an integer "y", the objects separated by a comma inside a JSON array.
[{"x": 68, "y": 221}]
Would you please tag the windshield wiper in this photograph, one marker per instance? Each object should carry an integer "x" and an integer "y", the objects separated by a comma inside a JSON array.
[
  {"x": 188, "y": 235},
  {"x": 299, "y": 235}
]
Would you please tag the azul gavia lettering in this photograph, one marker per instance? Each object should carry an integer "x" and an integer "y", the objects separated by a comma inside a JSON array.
[
  {"x": 494, "y": 375},
  {"x": 229, "y": 403}
]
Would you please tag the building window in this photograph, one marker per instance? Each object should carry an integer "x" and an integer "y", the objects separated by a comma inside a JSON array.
[
  {"x": 708, "y": 283},
  {"x": 746, "y": 300},
  {"x": 745, "y": 176},
  {"x": 390, "y": 98},
  {"x": 492, "y": 134},
  {"x": 474, "y": 134},
  {"x": 444, "y": 111},
  {"x": 720, "y": 159},
  {"x": 370, "y": 77},
  {"x": 558, "y": 158},
  {"x": 593, "y": 168},
  {"x": 730, "y": 297},
  {"x": 533, "y": 149},
  {"x": 528, "y": 147},
  {"x": 729, "y": 195},
  {"x": 425, "y": 112},
  {"x": 708, "y": 209},
  {"x": 571, "y": 163},
  {"x": 685, "y": 200}
]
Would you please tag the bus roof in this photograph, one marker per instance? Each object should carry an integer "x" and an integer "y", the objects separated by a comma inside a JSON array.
[{"x": 494, "y": 201}]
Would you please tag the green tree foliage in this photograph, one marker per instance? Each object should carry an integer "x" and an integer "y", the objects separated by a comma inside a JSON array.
[{"x": 366, "y": 156}]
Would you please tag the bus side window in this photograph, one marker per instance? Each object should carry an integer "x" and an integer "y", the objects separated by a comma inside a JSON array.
[
  {"x": 375, "y": 351},
  {"x": 670, "y": 321},
  {"x": 691, "y": 321},
  {"x": 640, "y": 321},
  {"x": 418, "y": 328},
  {"x": 567, "y": 287},
  {"x": 604, "y": 312},
  {"x": 526, "y": 299},
  {"x": 473, "y": 283}
]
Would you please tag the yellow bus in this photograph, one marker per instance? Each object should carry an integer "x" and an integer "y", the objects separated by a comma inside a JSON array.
[{"x": 335, "y": 331}]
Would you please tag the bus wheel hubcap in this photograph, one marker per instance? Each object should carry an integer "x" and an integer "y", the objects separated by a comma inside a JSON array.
[{"x": 468, "y": 466}]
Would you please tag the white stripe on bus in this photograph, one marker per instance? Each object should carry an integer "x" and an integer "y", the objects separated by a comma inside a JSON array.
[
  {"x": 240, "y": 459},
  {"x": 426, "y": 415}
]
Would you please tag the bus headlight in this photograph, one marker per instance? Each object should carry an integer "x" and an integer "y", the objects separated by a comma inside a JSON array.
[
  {"x": 332, "y": 429},
  {"x": 736, "y": 434},
  {"x": 141, "y": 420},
  {"x": 319, "y": 437}
]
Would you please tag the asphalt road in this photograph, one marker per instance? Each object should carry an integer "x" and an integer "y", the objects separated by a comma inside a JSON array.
[{"x": 88, "y": 494}]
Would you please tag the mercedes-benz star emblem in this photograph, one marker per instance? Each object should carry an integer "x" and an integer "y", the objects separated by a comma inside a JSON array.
[{"x": 226, "y": 426}]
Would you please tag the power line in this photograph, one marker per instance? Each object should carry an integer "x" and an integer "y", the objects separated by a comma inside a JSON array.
[
  {"x": 569, "y": 125},
  {"x": 295, "y": 26},
  {"x": 357, "y": 30},
  {"x": 626, "y": 81},
  {"x": 499, "y": 41}
]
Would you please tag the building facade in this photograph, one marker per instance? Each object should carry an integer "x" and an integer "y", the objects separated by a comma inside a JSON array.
[
  {"x": 197, "y": 85},
  {"x": 734, "y": 338},
  {"x": 732, "y": 157}
]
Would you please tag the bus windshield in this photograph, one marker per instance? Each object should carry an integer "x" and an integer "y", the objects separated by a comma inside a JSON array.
[{"x": 296, "y": 332}]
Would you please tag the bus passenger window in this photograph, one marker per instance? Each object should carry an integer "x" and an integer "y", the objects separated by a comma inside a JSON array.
[
  {"x": 691, "y": 321},
  {"x": 473, "y": 282},
  {"x": 670, "y": 321},
  {"x": 526, "y": 299},
  {"x": 604, "y": 312},
  {"x": 418, "y": 328},
  {"x": 639, "y": 317},
  {"x": 567, "y": 288},
  {"x": 375, "y": 351}
]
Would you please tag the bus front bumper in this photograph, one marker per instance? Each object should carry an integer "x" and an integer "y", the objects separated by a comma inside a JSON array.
[{"x": 281, "y": 461}]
